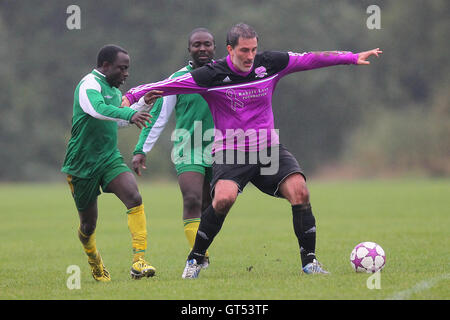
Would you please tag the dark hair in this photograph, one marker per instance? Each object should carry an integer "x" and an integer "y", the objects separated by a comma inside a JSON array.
[
  {"x": 240, "y": 30},
  {"x": 108, "y": 53},
  {"x": 196, "y": 30}
]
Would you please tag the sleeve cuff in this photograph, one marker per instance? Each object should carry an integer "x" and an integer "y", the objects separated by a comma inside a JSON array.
[{"x": 132, "y": 112}]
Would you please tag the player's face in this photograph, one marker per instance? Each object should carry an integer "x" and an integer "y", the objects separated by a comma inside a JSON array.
[
  {"x": 201, "y": 48},
  {"x": 117, "y": 72},
  {"x": 243, "y": 54}
]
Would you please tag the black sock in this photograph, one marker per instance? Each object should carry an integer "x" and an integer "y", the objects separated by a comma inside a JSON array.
[
  {"x": 305, "y": 230},
  {"x": 210, "y": 225}
]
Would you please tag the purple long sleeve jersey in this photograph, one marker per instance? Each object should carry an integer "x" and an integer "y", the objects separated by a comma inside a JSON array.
[{"x": 241, "y": 103}]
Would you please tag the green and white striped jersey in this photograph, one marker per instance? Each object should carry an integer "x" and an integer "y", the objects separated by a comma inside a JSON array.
[{"x": 96, "y": 114}]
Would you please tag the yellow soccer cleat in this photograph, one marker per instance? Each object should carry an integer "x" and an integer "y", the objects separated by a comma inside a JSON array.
[
  {"x": 141, "y": 268},
  {"x": 99, "y": 272}
]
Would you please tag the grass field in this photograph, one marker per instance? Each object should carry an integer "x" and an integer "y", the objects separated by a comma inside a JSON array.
[{"x": 254, "y": 257}]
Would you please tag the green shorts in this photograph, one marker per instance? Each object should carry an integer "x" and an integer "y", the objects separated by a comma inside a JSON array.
[
  {"x": 85, "y": 191},
  {"x": 204, "y": 170}
]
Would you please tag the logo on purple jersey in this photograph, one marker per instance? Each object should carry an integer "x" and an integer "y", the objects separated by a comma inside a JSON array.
[{"x": 260, "y": 72}]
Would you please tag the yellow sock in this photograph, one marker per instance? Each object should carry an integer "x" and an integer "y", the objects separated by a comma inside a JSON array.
[
  {"x": 190, "y": 230},
  {"x": 88, "y": 243},
  {"x": 138, "y": 228}
]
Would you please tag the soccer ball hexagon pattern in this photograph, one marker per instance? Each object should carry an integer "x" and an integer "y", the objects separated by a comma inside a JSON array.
[{"x": 368, "y": 257}]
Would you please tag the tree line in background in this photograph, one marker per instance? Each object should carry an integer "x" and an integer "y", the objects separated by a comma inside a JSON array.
[{"x": 392, "y": 117}]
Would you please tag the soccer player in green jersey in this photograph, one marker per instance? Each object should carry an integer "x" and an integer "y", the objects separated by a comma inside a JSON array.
[
  {"x": 93, "y": 160},
  {"x": 192, "y": 162}
]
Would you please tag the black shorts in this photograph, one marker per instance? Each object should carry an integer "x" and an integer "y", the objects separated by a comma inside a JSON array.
[{"x": 259, "y": 168}]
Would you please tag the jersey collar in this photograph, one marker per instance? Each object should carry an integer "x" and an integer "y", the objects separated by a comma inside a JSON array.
[
  {"x": 233, "y": 68},
  {"x": 190, "y": 65},
  {"x": 99, "y": 74}
]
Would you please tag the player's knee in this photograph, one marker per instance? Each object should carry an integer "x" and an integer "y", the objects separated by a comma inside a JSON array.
[
  {"x": 192, "y": 204},
  {"x": 295, "y": 190},
  {"x": 87, "y": 227},
  {"x": 302, "y": 195},
  {"x": 222, "y": 204},
  {"x": 134, "y": 199},
  {"x": 225, "y": 194}
]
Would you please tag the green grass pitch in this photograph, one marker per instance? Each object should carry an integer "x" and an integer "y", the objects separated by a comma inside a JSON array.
[{"x": 255, "y": 256}]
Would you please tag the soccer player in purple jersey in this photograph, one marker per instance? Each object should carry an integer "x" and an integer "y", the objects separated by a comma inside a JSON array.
[{"x": 246, "y": 147}]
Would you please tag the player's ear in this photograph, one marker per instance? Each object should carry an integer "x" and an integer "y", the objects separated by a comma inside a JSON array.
[{"x": 106, "y": 65}]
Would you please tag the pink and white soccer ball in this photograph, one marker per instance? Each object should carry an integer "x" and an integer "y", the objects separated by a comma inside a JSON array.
[{"x": 368, "y": 257}]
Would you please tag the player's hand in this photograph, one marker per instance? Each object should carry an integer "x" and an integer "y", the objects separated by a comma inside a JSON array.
[
  {"x": 151, "y": 96},
  {"x": 362, "y": 56},
  {"x": 140, "y": 119},
  {"x": 125, "y": 102},
  {"x": 138, "y": 162}
]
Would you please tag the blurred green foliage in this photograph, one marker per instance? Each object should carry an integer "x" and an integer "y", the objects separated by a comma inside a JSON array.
[{"x": 391, "y": 116}]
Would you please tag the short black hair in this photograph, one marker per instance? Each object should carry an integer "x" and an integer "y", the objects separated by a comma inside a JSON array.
[
  {"x": 240, "y": 30},
  {"x": 108, "y": 53},
  {"x": 196, "y": 30}
]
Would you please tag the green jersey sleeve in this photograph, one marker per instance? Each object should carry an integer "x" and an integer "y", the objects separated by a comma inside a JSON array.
[
  {"x": 93, "y": 103},
  {"x": 161, "y": 111}
]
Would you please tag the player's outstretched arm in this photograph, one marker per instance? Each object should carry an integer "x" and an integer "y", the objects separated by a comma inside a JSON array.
[
  {"x": 363, "y": 56},
  {"x": 145, "y": 104},
  {"x": 314, "y": 60},
  {"x": 149, "y": 99},
  {"x": 184, "y": 84}
]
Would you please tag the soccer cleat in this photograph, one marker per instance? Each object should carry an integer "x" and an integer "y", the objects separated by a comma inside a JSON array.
[
  {"x": 314, "y": 268},
  {"x": 191, "y": 270},
  {"x": 141, "y": 268},
  {"x": 205, "y": 263},
  {"x": 99, "y": 272}
]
